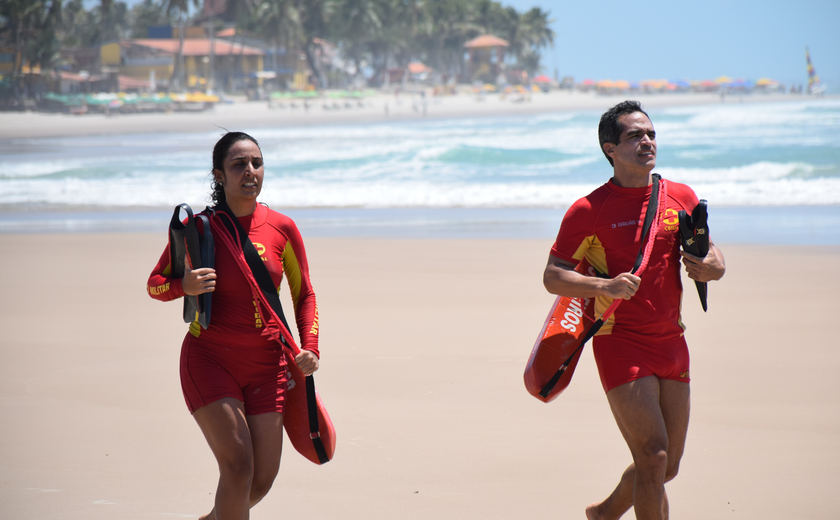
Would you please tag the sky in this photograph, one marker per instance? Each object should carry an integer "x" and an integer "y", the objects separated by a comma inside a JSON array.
[{"x": 705, "y": 39}]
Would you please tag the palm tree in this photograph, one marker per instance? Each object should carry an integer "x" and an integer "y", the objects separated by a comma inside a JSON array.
[
  {"x": 182, "y": 6},
  {"x": 314, "y": 16},
  {"x": 275, "y": 21},
  {"x": 356, "y": 24},
  {"x": 447, "y": 23},
  {"x": 32, "y": 24},
  {"x": 535, "y": 34}
]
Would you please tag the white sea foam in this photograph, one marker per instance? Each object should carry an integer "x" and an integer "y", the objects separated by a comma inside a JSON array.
[
  {"x": 536, "y": 161},
  {"x": 785, "y": 192},
  {"x": 757, "y": 173},
  {"x": 741, "y": 190}
]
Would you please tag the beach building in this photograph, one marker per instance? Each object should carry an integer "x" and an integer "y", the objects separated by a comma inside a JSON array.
[
  {"x": 7, "y": 60},
  {"x": 234, "y": 65}
]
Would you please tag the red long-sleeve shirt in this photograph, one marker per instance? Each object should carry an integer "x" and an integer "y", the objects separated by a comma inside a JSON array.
[{"x": 234, "y": 319}]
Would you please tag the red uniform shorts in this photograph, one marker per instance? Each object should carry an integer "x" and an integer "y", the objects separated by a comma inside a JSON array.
[
  {"x": 621, "y": 360},
  {"x": 255, "y": 376}
]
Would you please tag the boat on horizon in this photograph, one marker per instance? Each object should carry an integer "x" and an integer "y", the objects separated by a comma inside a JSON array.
[{"x": 815, "y": 88}]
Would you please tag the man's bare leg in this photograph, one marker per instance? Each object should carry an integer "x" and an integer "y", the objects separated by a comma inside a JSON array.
[{"x": 653, "y": 418}]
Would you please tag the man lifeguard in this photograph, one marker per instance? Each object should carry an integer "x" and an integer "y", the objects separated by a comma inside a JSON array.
[{"x": 641, "y": 353}]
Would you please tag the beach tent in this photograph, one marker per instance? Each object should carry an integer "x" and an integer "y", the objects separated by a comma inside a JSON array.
[
  {"x": 480, "y": 51},
  {"x": 415, "y": 67}
]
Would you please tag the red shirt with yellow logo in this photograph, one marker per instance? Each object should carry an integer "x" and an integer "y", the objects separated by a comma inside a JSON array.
[
  {"x": 234, "y": 318},
  {"x": 605, "y": 227}
]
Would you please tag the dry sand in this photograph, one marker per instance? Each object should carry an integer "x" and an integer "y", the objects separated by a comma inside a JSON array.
[
  {"x": 424, "y": 343},
  {"x": 249, "y": 116}
]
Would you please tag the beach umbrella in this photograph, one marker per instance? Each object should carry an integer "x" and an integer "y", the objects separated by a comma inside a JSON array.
[
  {"x": 542, "y": 78},
  {"x": 622, "y": 84},
  {"x": 606, "y": 83},
  {"x": 654, "y": 83},
  {"x": 723, "y": 80},
  {"x": 588, "y": 82},
  {"x": 766, "y": 82}
]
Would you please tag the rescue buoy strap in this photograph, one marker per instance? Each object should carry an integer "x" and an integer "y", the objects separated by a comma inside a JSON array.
[{"x": 269, "y": 293}]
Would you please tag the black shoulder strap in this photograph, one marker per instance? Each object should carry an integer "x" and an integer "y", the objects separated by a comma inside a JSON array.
[
  {"x": 263, "y": 278},
  {"x": 650, "y": 214},
  {"x": 258, "y": 268}
]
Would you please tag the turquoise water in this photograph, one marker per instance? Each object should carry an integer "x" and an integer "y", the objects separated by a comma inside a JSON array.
[{"x": 467, "y": 177}]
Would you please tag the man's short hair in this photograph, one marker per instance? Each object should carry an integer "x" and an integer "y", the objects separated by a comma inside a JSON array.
[{"x": 609, "y": 130}]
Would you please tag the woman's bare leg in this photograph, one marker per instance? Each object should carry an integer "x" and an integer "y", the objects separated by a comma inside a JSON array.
[
  {"x": 225, "y": 427},
  {"x": 248, "y": 450},
  {"x": 267, "y": 439}
]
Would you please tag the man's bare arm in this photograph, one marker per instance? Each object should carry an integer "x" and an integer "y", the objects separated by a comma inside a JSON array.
[
  {"x": 560, "y": 277},
  {"x": 710, "y": 268}
]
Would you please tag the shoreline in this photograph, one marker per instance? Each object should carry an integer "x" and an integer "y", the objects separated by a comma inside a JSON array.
[
  {"x": 407, "y": 107},
  {"x": 767, "y": 225}
]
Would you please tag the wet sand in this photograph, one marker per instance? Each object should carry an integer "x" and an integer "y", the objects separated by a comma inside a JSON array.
[{"x": 424, "y": 343}]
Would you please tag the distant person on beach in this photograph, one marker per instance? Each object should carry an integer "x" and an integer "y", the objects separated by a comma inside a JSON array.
[
  {"x": 641, "y": 353},
  {"x": 233, "y": 374}
]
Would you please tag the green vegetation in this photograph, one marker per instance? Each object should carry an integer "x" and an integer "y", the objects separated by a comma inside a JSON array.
[{"x": 368, "y": 36}]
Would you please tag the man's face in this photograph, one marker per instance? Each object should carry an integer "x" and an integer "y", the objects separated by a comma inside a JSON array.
[{"x": 635, "y": 152}]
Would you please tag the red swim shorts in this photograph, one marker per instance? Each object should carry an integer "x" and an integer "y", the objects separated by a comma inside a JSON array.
[
  {"x": 255, "y": 376},
  {"x": 621, "y": 360}
]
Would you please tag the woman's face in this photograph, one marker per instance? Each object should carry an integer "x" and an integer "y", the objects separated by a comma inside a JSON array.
[{"x": 243, "y": 174}]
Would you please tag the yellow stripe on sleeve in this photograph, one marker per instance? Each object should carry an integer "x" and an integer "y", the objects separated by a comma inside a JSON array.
[{"x": 293, "y": 272}]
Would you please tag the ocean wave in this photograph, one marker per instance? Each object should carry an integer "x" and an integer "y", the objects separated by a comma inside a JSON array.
[
  {"x": 734, "y": 154},
  {"x": 784, "y": 192},
  {"x": 306, "y": 193},
  {"x": 424, "y": 194},
  {"x": 757, "y": 172},
  {"x": 23, "y": 170}
]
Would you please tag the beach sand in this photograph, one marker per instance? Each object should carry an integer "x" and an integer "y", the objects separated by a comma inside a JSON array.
[
  {"x": 248, "y": 116},
  {"x": 424, "y": 343}
]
